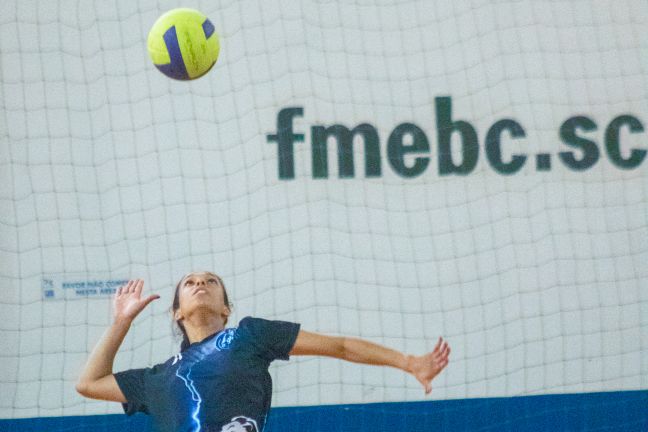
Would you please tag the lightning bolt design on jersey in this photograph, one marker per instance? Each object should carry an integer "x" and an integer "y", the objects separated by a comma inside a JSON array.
[{"x": 186, "y": 363}]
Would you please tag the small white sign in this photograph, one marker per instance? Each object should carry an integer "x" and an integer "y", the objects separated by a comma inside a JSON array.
[{"x": 68, "y": 288}]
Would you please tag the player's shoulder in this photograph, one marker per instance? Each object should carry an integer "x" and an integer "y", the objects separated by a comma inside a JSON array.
[
  {"x": 262, "y": 327},
  {"x": 168, "y": 363},
  {"x": 249, "y": 320},
  {"x": 247, "y": 323},
  {"x": 150, "y": 372},
  {"x": 251, "y": 326}
]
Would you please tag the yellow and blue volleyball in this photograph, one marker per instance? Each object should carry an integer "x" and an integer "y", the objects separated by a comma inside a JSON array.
[{"x": 183, "y": 44}]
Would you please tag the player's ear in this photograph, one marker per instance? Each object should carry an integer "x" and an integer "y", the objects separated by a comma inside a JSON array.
[{"x": 177, "y": 315}]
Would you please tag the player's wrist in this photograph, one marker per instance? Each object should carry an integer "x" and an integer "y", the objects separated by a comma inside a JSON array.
[
  {"x": 407, "y": 363},
  {"x": 122, "y": 322}
]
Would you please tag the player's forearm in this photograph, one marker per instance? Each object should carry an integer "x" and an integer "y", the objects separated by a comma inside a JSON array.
[
  {"x": 100, "y": 362},
  {"x": 362, "y": 351}
]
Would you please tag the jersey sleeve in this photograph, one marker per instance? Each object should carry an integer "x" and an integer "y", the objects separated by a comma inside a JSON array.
[
  {"x": 132, "y": 383},
  {"x": 272, "y": 340}
]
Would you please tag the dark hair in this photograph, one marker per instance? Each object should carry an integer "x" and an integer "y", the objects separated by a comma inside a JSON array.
[{"x": 176, "y": 305}]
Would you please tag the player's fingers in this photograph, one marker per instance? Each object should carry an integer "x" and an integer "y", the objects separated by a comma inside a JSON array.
[
  {"x": 150, "y": 298},
  {"x": 440, "y": 353},
  {"x": 138, "y": 287},
  {"x": 438, "y": 345},
  {"x": 128, "y": 286},
  {"x": 442, "y": 365},
  {"x": 124, "y": 288},
  {"x": 444, "y": 348},
  {"x": 443, "y": 357},
  {"x": 428, "y": 388}
]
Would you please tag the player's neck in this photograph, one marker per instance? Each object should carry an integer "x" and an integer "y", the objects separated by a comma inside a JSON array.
[{"x": 199, "y": 326}]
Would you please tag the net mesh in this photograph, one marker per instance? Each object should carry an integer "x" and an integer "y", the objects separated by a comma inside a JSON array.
[{"x": 110, "y": 171}]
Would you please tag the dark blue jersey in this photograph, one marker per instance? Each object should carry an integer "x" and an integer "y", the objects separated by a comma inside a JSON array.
[{"x": 220, "y": 384}]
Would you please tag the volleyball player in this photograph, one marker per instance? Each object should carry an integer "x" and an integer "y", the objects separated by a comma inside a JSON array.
[{"x": 219, "y": 381}]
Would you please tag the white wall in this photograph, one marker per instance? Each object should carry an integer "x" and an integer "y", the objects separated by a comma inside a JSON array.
[{"x": 110, "y": 170}]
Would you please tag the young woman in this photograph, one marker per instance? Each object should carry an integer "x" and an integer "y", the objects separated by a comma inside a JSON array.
[{"x": 219, "y": 382}]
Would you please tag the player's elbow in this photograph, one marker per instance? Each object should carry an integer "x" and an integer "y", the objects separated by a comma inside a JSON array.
[
  {"x": 105, "y": 388},
  {"x": 81, "y": 388},
  {"x": 85, "y": 388}
]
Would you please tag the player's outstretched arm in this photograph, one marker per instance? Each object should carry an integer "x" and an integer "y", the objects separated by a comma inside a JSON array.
[
  {"x": 97, "y": 381},
  {"x": 424, "y": 368}
]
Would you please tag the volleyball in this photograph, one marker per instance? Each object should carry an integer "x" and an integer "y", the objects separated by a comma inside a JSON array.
[{"x": 183, "y": 44}]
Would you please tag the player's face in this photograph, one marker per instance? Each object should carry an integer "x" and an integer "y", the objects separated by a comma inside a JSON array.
[{"x": 201, "y": 291}]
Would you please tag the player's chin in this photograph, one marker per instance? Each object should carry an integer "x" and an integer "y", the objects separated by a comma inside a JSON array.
[{"x": 204, "y": 304}]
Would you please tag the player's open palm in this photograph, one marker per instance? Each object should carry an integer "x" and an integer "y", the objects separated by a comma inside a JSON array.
[
  {"x": 428, "y": 366},
  {"x": 128, "y": 301}
]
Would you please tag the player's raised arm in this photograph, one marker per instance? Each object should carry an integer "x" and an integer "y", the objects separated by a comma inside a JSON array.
[
  {"x": 96, "y": 380},
  {"x": 424, "y": 368}
]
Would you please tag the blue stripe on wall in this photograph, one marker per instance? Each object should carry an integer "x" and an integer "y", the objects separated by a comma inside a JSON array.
[{"x": 609, "y": 411}]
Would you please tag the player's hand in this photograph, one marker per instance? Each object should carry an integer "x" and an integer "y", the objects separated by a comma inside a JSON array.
[
  {"x": 426, "y": 367},
  {"x": 127, "y": 301}
]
